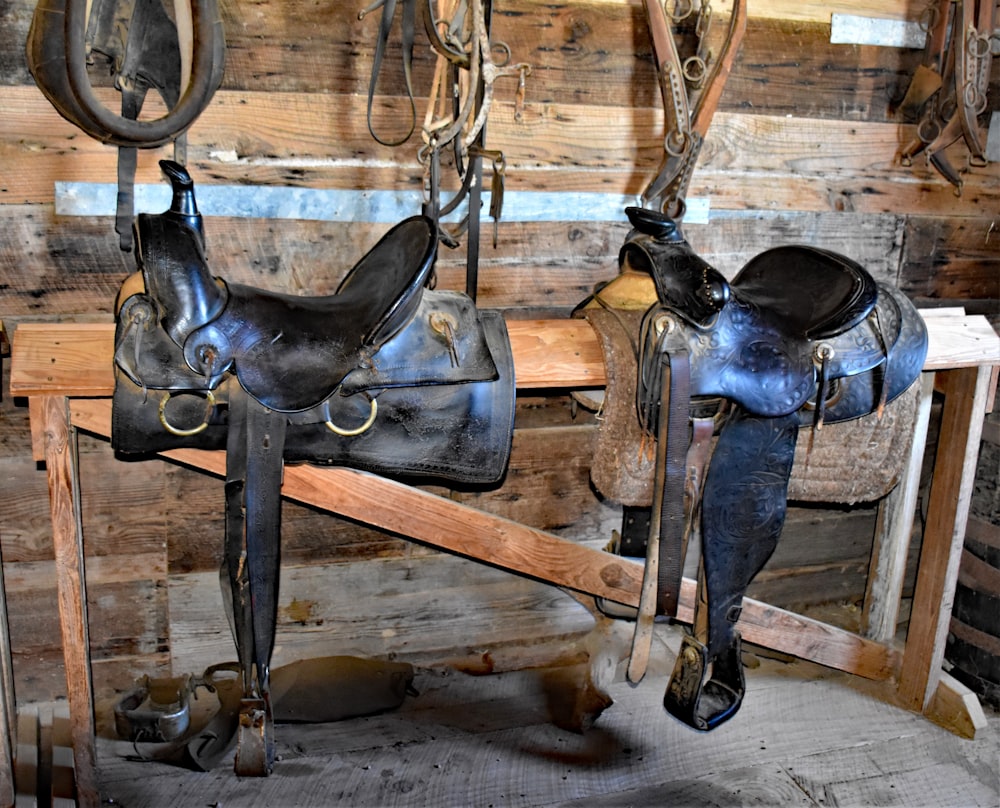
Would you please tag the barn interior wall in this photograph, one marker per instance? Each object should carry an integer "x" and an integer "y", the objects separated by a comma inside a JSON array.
[{"x": 804, "y": 148}]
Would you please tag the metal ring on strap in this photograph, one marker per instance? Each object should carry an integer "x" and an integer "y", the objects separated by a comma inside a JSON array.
[
  {"x": 695, "y": 69},
  {"x": 184, "y": 433},
  {"x": 682, "y": 10},
  {"x": 350, "y": 433}
]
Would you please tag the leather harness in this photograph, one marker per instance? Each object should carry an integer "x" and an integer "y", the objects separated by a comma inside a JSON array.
[
  {"x": 184, "y": 66},
  {"x": 455, "y": 121},
  {"x": 948, "y": 91}
]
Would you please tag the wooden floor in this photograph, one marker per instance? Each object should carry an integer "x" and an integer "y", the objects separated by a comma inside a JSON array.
[{"x": 805, "y": 736}]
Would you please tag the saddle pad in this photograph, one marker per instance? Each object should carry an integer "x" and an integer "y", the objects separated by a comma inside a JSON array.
[
  {"x": 620, "y": 469},
  {"x": 828, "y": 460}
]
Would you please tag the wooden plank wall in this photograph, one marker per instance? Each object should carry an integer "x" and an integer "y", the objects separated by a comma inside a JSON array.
[{"x": 802, "y": 149}]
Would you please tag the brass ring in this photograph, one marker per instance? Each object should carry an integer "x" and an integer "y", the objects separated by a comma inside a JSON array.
[
  {"x": 184, "y": 433},
  {"x": 350, "y": 433}
]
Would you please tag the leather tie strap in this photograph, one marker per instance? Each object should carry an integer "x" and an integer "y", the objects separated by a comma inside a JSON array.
[
  {"x": 408, "y": 35},
  {"x": 664, "y": 549},
  {"x": 671, "y": 497}
]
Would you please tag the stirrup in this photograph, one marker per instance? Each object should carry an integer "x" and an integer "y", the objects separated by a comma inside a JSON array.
[
  {"x": 700, "y": 703},
  {"x": 255, "y": 739}
]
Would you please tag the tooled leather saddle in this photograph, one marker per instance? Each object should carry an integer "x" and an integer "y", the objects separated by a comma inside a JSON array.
[
  {"x": 385, "y": 375},
  {"x": 727, "y": 373}
]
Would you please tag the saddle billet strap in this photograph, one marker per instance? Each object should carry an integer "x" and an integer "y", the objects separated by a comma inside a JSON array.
[
  {"x": 743, "y": 512},
  {"x": 665, "y": 546},
  {"x": 668, "y": 513}
]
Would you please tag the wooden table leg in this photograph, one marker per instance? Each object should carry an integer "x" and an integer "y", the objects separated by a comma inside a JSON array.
[
  {"x": 8, "y": 706},
  {"x": 966, "y": 391},
  {"x": 891, "y": 547},
  {"x": 67, "y": 534}
]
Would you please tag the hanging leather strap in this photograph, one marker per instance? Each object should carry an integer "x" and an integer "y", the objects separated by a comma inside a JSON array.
[
  {"x": 686, "y": 127},
  {"x": 407, "y": 35},
  {"x": 664, "y": 550},
  {"x": 255, "y": 445}
]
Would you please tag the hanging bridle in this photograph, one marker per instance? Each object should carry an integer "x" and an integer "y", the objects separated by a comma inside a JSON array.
[
  {"x": 948, "y": 91},
  {"x": 459, "y": 103}
]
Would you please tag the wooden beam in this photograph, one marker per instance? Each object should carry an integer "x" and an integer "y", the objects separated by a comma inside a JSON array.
[
  {"x": 64, "y": 501},
  {"x": 8, "y": 705},
  {"x": 795, "y": 163},
  {"x": 965, "y": 391},
  {"x": 75, "y": 359},
  {"x": 956, "y": 708},
  {"x": 893, "y": 530}
]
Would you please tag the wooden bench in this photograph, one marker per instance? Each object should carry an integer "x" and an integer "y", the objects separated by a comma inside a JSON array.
[{"x": 66, "y": 372}]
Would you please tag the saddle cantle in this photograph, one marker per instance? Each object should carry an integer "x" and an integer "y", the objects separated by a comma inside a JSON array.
[
  {"x": 385, "y": 375},
  {"x": 727, "y": 372}
]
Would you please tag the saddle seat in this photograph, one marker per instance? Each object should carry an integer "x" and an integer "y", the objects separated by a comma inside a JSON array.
[
  {"x": 806, "y": 292},
  {"x": 289, "y": 352},
  {"x": 801, "y": 292}
]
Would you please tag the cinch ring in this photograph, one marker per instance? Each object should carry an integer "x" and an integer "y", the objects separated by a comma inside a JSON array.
[
  {"x": 350, "y": 433},
  {"x": 185, "y": 433}
]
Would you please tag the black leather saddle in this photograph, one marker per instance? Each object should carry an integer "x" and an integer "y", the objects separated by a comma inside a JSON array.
[
  {"x": 385, "y": 375},
  {"x": 727, "y": 374}
]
